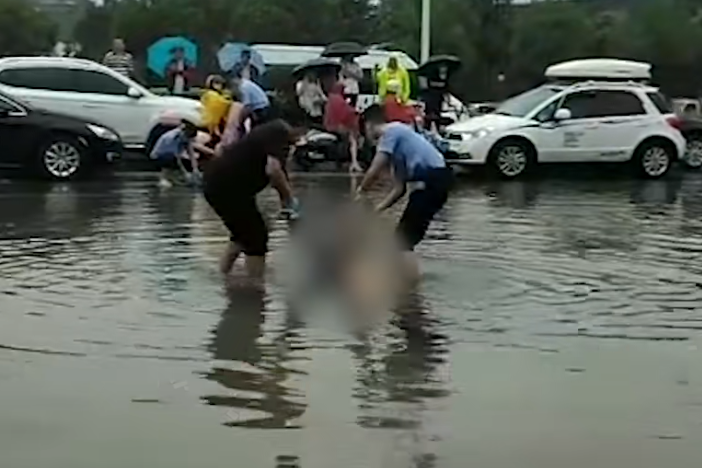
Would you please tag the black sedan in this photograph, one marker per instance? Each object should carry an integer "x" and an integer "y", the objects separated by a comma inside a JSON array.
[{"x": 51, "y": 145}]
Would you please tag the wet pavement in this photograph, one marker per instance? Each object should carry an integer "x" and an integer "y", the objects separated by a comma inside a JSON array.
[{"x": 558, "y": 325}]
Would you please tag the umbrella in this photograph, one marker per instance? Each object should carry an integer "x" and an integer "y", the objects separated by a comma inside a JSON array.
[
  {"x": 230, "y": 54},
  {"x": 319, "y": 65},
  {"x": 341, "y": 49},
  {"x": 432, "y": 65},
  {"x": 161, "y": 52}
]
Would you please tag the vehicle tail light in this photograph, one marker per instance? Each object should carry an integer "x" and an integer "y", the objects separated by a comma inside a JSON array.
[{"x": 674, "y": 121}]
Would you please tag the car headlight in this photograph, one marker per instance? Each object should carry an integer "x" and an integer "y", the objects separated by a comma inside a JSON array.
[
  {"x": 102, "y": 132},
  {"x": 476, "y": 134}
]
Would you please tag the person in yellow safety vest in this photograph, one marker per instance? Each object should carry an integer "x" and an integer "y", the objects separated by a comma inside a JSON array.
[{"x": 394, "y": 72}]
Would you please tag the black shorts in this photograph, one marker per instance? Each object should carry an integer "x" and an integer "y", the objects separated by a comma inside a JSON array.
[
  {"x": 422, "y": 207},
  {"x": 243, "y": 220}
]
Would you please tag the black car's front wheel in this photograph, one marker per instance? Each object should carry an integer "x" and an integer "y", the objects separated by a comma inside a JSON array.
[{"x": 62, "y": 158}]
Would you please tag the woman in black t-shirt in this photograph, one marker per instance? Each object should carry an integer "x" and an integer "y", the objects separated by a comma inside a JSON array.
[{"x": 232, "y": 181}]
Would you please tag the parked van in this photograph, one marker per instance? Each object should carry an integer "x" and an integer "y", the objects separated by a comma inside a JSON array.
[{"x": 281, "y": 59}]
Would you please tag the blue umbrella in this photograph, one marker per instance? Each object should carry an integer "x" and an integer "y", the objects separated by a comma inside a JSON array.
[
  {"x": 161, "y": 53},
  {"x": 230, "y": 54}
]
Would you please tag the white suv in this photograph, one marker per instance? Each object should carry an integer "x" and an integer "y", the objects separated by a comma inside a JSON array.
[
  {"x": 592, "y": 121},
  {"x": 89, "y": 90}
]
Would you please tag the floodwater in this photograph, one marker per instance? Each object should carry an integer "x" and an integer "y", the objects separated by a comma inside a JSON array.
[{"x": 558, "y": 325}]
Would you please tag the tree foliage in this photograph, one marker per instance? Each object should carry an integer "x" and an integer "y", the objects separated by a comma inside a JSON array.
[
  {"x": 493, "y": 37},
  {"x": 24, "y": 30}
]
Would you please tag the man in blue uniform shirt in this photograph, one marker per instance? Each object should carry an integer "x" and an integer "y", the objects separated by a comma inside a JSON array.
[
  {"x": 255, "y": 101},
  {"x": 416, "y": 164}
]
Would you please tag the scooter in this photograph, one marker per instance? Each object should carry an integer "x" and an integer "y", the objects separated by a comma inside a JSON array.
[{"x": 318, "y": 146}]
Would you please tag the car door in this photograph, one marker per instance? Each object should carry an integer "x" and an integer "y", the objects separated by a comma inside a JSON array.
[
  {"x": 623, "y": 118},
  {"x": 576, "y": 139},
  {"x": 17, "y": 137},
  {"x": 601, "y": 127},
  {"x": 107, "y": 99},
  {"x": 46, "y": 88}
]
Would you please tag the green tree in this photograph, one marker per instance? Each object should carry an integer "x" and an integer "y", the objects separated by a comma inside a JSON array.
[{"x": 24, "y": 30}]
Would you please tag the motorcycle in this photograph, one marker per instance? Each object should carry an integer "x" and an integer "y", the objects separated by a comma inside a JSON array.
[{"x": 318, "y": 146}]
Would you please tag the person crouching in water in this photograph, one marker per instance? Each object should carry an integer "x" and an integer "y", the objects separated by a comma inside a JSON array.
[
  {"x": 176, "y": 149},
  {"x": 414, "y": 161},
  {"x": 232, "y": 181},
  {"x": 215, "y": 107}
]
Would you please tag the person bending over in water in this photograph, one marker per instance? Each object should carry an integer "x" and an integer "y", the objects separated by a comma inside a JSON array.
[
  {"x": 416, "y": 163},
  {"x": 175, "y": 147},
  {"x": 232, "y": 181}
]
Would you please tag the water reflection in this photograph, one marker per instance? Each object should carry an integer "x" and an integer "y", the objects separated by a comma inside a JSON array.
[
  {"x": 55, "y": 211},
  {"x": 257, "y": 368},
  {"x": 399, "y": 372},
  {"x": 172, "y": 235}
]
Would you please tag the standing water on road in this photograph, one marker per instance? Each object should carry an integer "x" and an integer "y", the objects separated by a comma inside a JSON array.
[{"x": 558, "y": 324}]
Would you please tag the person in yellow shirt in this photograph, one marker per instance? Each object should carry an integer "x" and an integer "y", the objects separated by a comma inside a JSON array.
[
  {"x": 215, "y": 106},
  {"x": 392, "y": 73}
]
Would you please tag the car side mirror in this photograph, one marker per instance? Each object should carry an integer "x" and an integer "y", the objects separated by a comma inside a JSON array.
[
  {"x": 134, "y": 93},
  {"x": 562, "y": 114}
]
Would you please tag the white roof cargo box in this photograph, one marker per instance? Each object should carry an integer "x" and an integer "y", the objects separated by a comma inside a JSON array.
[{"x": 600, "y": 69}]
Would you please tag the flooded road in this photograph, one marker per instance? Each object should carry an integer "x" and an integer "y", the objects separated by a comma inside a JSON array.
[{"x": 558, "y": 325}]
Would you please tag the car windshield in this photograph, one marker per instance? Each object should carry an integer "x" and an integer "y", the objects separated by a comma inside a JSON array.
[{"x": 521, "y": 104}]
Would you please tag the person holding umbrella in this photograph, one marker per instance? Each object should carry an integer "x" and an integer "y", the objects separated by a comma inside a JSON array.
[
  {"x": 311, "y": 97},
  {"x": 245, "y": 69},
  {"x": 178, "y": 71},
  {"x": 312, "y": 76},
  {"x": 351, "y": 72},
  {"x": 351, "y": 76},
  {"x": 436, "y": 73}
]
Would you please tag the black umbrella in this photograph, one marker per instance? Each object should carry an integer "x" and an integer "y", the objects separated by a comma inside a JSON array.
[
  {"x": 319, "y": 66},
  {"x": 343, "y": 49},
  {"x": 432, "y": 65}
]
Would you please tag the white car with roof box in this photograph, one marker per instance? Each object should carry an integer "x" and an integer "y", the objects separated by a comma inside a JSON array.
[
  {"x": 86, "y": 89},
  {"x": 594, "y": 110}
]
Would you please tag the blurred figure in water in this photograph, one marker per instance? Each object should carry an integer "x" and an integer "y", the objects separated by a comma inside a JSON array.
[{"x": 348, "y": 252}]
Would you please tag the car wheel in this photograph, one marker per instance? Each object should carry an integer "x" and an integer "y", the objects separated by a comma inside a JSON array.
[
  {"x": 512, "y": 158},
  {"x": 63, "y": 158},
  {"x": 654, "y": 159},
  {"x": 693, "y": 152}
]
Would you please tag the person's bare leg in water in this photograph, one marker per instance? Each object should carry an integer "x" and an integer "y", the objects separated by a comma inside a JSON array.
[
  {"x": 255, "y": 266},
  {"x": 230, "y": 257}
]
